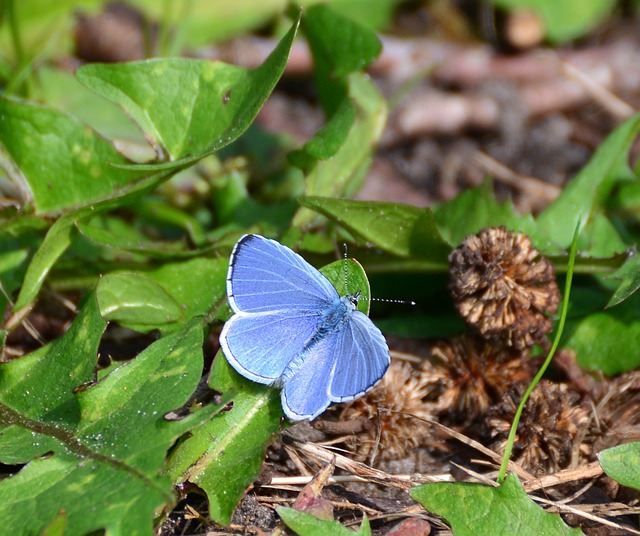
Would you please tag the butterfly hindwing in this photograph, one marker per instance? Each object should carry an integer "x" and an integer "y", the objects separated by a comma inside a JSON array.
[
  {"x": 364, "y": 358},
  {"x": 305, "y": 393}
]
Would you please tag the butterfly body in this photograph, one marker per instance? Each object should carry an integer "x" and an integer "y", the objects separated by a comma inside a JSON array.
[{"x": 291, "y": 329}]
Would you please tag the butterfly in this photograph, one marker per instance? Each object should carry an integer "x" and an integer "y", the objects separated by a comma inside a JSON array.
[{"x": 292, "y": 330}]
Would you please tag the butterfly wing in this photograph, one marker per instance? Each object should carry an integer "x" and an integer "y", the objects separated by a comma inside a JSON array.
[
  {"x": 261, "y": 345},
  {"x": 278, "y": 299},
  {"x": 340, "y": 367},
  {"x": 266, "y": 276},
  {"x": 304, "y": 395},
  {"x": 363, "y": 359}
]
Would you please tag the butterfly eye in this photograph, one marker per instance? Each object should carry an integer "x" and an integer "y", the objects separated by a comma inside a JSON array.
[{"x": 353, "y": 298}]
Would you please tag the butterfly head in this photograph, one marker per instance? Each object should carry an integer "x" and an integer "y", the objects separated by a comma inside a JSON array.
[{"x": 352, "y": 299}]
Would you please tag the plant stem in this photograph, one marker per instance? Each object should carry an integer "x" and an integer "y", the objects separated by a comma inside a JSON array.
[{"x": 547, "y": 362}]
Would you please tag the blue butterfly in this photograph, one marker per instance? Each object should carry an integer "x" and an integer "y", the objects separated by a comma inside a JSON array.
[{"x": 292, "y": 330}]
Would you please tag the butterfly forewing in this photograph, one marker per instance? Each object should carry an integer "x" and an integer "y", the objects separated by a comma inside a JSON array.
[
  {"x": 261, "y": 345},
  {"x": 267, "y": 276}
]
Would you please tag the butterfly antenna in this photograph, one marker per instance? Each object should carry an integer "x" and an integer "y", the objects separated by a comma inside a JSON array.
[
  {"x": 346, "y": 282},
  {"x": 386, "y": 300}
]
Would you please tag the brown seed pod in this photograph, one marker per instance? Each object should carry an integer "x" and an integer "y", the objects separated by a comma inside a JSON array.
[
  {"x": 503, "y": 287},
  {"x": 467, "y": 374},
  {"x": 389, "y": 407},
  {"x": 552, "y": 422}
]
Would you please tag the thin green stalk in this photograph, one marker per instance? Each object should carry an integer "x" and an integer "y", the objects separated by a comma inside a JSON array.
[
  {"x": 14, "y": 28},
  {"x": 547, "y": 362}
]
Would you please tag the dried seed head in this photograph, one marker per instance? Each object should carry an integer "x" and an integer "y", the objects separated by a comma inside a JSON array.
[
  {"x": 552, "y": 422},
  {"x": 618, "y": 412},
  {"x": 503, "y": 287},
  {"x": 468, "y": 374},
  {"x": 389, "y": 406}
]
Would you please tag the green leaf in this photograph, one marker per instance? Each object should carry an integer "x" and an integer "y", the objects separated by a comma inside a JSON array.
[
  {"x": 564, "y": 19},
  {"x": 198, "y": 285},
  {"x": 37, "y": 390},
  {"x": 348, "y": 277},
  {"x": 224, "y": 456},
  {"x": 473, "y": 509},
  {"x": 328, "y": 140},
  {"x": 110, "y": 437},
  {"x": 60, "y": 235},
  {"x": 308, "y": 525},
  {"x": 339, "y": 45},
  {"x": 601, "y": 339},
  {"x": 60, "y": 89},
  {"x": 476, "y": 209},
  {"x": 61, "y": 163},
  {"x": 189, "y": 108},
  {"x": 629, "y": 276},
  {"x": 600, "y": 239},
  {"x": 342, "y": 173},
  {"x": 53, "y": 246},
  {"x": 622, "y": 463},
  {"x": 403, "y": 230},
  {"x": 131, "y": 298},
  {"x": 164, "y": 298},
  {"x": 115, "y": 234},
  {"x": 585, "y": 194}
]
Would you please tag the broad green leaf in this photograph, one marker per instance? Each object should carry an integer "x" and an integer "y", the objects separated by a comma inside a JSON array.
[
  {"x": 110, "y": 437},
  {"x": 476, "y": 209},
  {"x": 564, "y": 19},
  {"x": 167, "y": 296},
  {"x": 133, "y": 299},
  {"x": 113, "y": 233},
  {"x": 38, "y": 386},
  {"x": 224, "y": 456},
  {"x": 601, "y": 339},
  {"x": 342, "y": 174},
  {"x": 340, "y": 46},
  {"x": 189, "y": 108},
  {"x": 473, "y": 509},
  {"x": 402, "y": 230},
  {"x": 60, "y": 163},
  {"x": 600, "y": 239},
  {"x": 198, "y": 285},
  {"x": 629, "y": 276},
  {"x": 622, "y": 463},
  {"x": 585, "y": 194},
  {"x": 308, "y": 525},
  {"x": 60, "y": 89}
]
